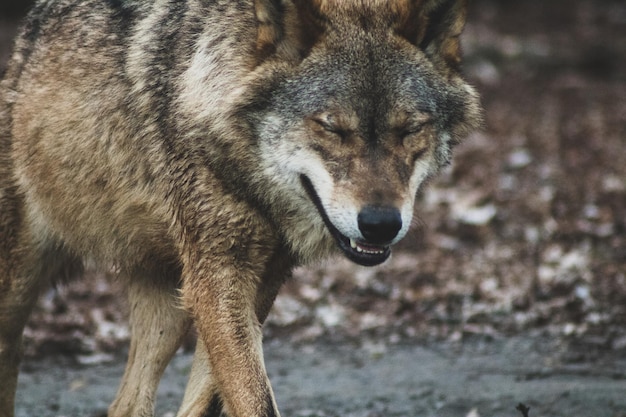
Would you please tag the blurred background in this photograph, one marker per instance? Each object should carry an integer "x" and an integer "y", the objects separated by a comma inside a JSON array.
[{"x": 524, "y": 233}]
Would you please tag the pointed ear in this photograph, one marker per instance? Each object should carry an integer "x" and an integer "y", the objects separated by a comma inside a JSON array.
[
  {"x": 311, "y": 22},
  {"x": 270, "y": 27},
  {"x": 296, "y": 24},
  {"x": 435, "y": 27}
]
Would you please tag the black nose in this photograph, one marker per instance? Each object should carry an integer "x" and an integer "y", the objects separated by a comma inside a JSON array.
[{"x": 379, "y": 225}]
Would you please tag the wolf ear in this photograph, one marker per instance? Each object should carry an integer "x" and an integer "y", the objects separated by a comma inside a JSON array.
[
  {"x": 435, "y": 27},
  {"x": 297, "y": 23},
  {"x": 311, "y": 23},
  {"x": 270, "y": 27}
]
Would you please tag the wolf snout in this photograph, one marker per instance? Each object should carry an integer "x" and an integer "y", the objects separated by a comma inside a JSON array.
[{"x": 379, "y": 225}]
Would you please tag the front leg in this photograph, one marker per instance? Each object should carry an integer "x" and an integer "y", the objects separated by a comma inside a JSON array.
[
  {"x": 221, "y": 295},
  {"x": 201, "y": 396}
]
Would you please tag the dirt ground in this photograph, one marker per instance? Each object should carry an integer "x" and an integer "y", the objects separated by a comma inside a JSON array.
[
  {"x": 512, "y": 287},
  {"x": 486, "y": 378}
]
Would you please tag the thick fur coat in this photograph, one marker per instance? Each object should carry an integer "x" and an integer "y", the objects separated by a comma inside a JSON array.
[{"x": 203, "y": 149}]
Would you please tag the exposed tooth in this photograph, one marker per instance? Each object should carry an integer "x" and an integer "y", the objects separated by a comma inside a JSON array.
[{"x": 360, "y": 249}]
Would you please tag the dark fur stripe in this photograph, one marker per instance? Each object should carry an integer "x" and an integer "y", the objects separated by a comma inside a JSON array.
[
  {"x": 124, "y": 16},
  {"x": 168, "y": 52},
  {"x": 31, "y": 30}
]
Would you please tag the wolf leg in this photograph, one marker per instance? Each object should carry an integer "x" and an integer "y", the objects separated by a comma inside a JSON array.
[
  {"x": 223, "y": 303},
  {"x": 158, "y": 324},
  {"x": 20, "y": 280},
  {"x": 201, "y": 396},
  {"x": 18, "y": 294},
  {"x": 26, "y": 265},
  {"x": 16, "y": 302}
]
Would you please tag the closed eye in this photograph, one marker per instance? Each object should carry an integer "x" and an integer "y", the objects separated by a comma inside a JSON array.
[
  {"x": 331, "y": 128},
  {"x": 413, "y": 130},
  {"x": 415, "y": 139},
  {"x": 412, "y": 137}
]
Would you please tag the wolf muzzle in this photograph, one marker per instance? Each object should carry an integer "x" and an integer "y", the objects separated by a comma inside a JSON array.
[{"x": 379, "y": 225}]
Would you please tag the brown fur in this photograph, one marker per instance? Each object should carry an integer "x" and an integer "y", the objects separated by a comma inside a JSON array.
[{"x": 206, "y": 148}]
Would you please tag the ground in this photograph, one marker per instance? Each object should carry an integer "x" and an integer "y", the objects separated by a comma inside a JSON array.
[
  {"x": 511, "y": 288},
  {"x": 470, "y": 379}
]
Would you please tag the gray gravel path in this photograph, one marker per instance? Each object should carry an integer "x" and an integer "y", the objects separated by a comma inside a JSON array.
[{"x": 319, "y": 380}]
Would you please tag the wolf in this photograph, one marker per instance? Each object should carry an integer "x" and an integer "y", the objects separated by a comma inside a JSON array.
[{"x": 204, "y": 149}]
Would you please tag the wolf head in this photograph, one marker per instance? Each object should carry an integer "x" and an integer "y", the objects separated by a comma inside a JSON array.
[{"x": 364, "y": 103}]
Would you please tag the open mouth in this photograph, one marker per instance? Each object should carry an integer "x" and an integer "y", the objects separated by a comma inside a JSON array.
[{"x": 359, "y": 252}]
